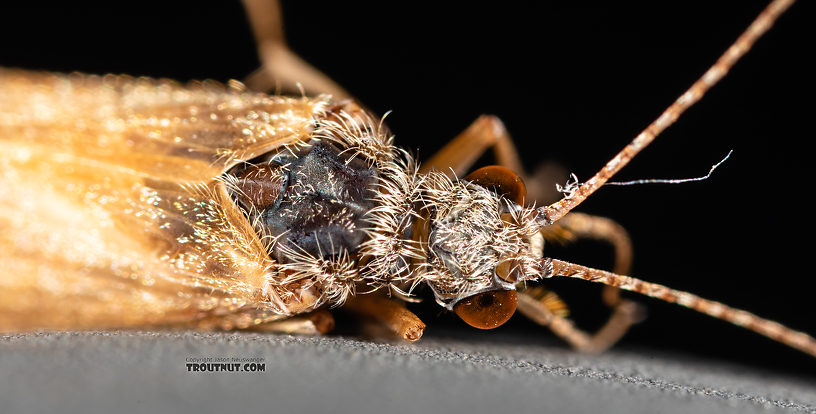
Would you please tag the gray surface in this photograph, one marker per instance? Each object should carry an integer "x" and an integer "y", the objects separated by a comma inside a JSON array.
[{"x": 146, "y": 372}]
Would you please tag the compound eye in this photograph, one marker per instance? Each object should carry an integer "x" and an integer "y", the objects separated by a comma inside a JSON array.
[
  {"x": 503, "y": 180},
  {"x": 487, "y": 310}
]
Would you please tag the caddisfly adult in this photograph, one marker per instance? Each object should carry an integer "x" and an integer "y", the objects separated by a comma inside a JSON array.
[{"x": 142, "y": 203}]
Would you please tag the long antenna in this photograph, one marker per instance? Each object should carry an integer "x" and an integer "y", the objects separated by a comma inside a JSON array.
[
  {"x": 758, "y": 27},
  {"x": 747, "y": 320}
]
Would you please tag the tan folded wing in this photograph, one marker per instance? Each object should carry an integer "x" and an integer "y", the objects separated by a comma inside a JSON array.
[{"x": 111, "y": 214}]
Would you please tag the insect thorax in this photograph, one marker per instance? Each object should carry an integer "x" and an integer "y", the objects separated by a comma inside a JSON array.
[{"x": 348, "y": 209}]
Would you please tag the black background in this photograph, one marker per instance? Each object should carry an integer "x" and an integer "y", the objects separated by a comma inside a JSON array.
[{"x": 573, "y": 84}]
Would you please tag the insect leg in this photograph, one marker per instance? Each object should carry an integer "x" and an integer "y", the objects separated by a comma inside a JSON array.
[
  {"x": 279, "y": 65},
  {"x": 623, "y": 316},
  {"x": 576, "y": 226},
  {"x": 251, "y": 318},
  {"x": 389, "y": 313},
  {"x": 584, "y": 226},
  {"x": 314, "y": 323},
  {"x": 461, "y": 153}
]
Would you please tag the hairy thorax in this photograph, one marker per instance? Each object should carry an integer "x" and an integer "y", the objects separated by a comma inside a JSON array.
[
  {"x": 347, "y": 208},
  {"x": 312, "y": 201}
]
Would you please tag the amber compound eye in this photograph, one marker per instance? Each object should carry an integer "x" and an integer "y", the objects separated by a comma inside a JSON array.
[
  {"x": 487, "y": 310},
  {"x": 506, "y": 182}
]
